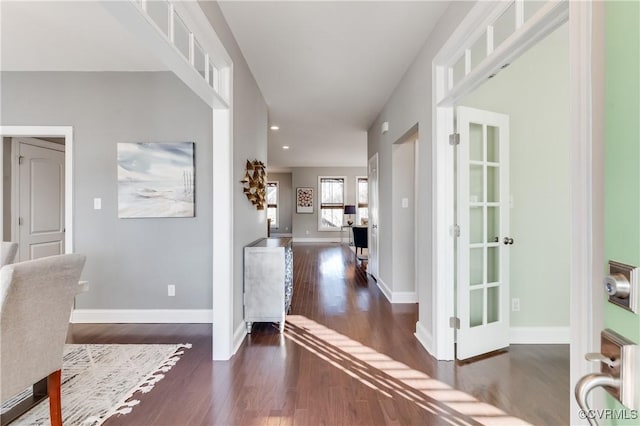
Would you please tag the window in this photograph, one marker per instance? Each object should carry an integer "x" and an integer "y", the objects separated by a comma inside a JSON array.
[
  {"x": 272, "y": 203},
  {"x": 362, "y": 193},
  {"x": 331, "y": 203}
]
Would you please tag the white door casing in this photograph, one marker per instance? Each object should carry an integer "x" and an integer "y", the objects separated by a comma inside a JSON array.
[
  {"x": 483, "y": 220},
  {"x": 40, "y": 198},
  {"x": 372, "y": 265}
]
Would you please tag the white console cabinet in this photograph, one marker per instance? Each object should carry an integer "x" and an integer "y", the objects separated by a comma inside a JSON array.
[{"x": 268, "y": 281}]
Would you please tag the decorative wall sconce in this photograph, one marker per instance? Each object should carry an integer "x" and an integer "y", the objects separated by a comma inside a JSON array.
[{"x": 254, "y": 182}]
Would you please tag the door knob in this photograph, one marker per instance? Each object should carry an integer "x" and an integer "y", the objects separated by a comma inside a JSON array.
[
  {"x": 507, "y": 241},
  {"x": 617, "y": 285}
]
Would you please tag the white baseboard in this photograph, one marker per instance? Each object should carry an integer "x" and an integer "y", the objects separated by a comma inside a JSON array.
[
  {"x": 404, "y": 297},
  {"x": 539, "y": 335},
  {"x": 317, "y": 240},
  {"x": 238, "y": 336},
  {"x": 281, "y": 235},
  {"x": 424, "y": 337},
  {"x": 384, "y": 288},
  {"x": 397, "y": 296},
  {"x": 201, "y": 316}
]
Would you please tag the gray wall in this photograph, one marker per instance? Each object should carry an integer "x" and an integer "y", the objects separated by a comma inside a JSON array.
[
  {"x": 410, "y": 105},
  {"x": 306, "y": 225},
  {"x": 539, "y": 176},
  {"x": 130, "y": 262},
  {"x": 249, "y": 143},
  {"x": 285, "y": 202}
]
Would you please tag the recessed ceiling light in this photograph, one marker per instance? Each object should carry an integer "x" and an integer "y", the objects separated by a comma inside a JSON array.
[
  {"x": 274, "y": 127},
  {"x": 285, "y": 146}
]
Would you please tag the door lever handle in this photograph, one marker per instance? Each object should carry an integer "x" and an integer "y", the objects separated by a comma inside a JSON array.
[{"x": 598, "y": 357}]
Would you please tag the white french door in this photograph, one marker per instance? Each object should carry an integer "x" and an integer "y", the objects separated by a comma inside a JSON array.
[{"x": 483, "y": 220}]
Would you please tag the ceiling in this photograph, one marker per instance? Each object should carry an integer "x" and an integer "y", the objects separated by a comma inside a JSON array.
[
  {"x": 325, "y": 68},
  {"x": 68, "y": 36}
]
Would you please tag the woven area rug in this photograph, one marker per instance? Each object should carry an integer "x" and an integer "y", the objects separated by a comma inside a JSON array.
[{"x": 99, "y": 380}]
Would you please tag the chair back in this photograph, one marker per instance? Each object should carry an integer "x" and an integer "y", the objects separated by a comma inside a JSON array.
[
  {"x": 36, "y": 298},
  {"x": 8, "y": 251},
  {"x": 360, "y": 238}
]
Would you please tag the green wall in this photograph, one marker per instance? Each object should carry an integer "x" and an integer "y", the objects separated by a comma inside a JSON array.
[{"x": 622, "y": 158}]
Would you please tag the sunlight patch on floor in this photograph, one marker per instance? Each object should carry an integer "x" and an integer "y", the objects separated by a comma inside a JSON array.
[{"x": 392, "y": 378}]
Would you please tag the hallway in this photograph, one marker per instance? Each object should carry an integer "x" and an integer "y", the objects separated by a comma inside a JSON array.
[{"x": 347, "y": 357}]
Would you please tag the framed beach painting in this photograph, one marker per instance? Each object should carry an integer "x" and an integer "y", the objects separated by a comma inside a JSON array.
[
  {"x": 156, "y": 179},
  {"x": 304, "y": 200}
]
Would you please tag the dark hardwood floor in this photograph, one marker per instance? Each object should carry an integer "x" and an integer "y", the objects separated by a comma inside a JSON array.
[{"x": 347, "y": 357}]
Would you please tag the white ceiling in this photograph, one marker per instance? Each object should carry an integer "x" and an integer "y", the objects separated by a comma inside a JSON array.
[
  {"x": 327, "y": 68},
  {"x": 68, "y": 36}
]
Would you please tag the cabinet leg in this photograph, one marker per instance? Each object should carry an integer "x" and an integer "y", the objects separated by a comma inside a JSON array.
[{"x": 249, "y": 325}]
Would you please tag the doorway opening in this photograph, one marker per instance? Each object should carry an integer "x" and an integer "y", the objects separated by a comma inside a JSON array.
[
  {"x": 404, "y": 216},
  {"x": 526, "y": 229},
  {"x": 50, "y": 138}
]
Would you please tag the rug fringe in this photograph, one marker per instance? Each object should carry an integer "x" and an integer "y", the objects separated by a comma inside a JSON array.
[{"x": 146, "y": 385}]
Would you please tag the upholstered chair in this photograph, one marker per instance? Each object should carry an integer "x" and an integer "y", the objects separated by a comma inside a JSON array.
[
  {"x": 36, "y": 298},
  {"x": 8, "y": 251},
  {"x": 360, "y": 239}
]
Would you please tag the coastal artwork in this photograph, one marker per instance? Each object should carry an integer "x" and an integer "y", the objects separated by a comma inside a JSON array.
[{"x": 156, "y": 180}]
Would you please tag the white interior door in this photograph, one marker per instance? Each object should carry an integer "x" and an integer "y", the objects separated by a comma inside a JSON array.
[
  {"x": 40, "y": 191},
  {"x": 483, "y": 218},
  {"x": 372, "y": 266}
]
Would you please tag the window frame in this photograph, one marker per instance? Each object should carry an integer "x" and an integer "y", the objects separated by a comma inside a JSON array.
[
  {"x": 275, "y": 225},
  {"x": 344, "y": 188},
  {"x": 358, "y": 218}
]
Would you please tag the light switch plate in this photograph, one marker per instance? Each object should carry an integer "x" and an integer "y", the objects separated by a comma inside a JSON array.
[
  {"x": 405, "y": 203},
  {"x": 97, "y": 203}
]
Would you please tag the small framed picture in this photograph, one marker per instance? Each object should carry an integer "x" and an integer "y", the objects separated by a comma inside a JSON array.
[{"x": 304, "y": 200}]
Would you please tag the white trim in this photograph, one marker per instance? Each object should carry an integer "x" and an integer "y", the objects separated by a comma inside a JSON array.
[
  {"x": 275, "y": 225},
  {"x": 281, "y": 235},
  {"x": 544, "y": 22},
  {"x": 317, "y": 240},
  {"x": 384, "y": 288},
  {"x": 147, "y": 33},
  {"x": 65, "y": 132},
  {"x": 222, "y": 236},
  {"x": 424, "y": 337},
  {"x": 238, "y": 336},
  {"x": 357, "y": 219},
  {"x": 344, "y": 196},
  {"x": 587, "y": 192},
  {"x": 404, "y": 297},
  {"x": 142, "y": 316},
  {"x": 539, "y": 335},
  {"x": 397, "y": 296}
]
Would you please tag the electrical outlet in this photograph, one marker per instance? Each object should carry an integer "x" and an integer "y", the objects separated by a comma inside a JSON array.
[
  {"x": 171, "y": 290},
  {"x": 515, "y": 304},
  {"x": 307, "y": 232},
  {"x": 97, "y": 203}
]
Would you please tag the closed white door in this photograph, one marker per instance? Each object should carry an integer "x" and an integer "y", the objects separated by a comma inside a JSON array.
[
  {"x": 372, "y": 266},
  {"x": 40, "y": 199},
  {"x": 484, "y": 241}
]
